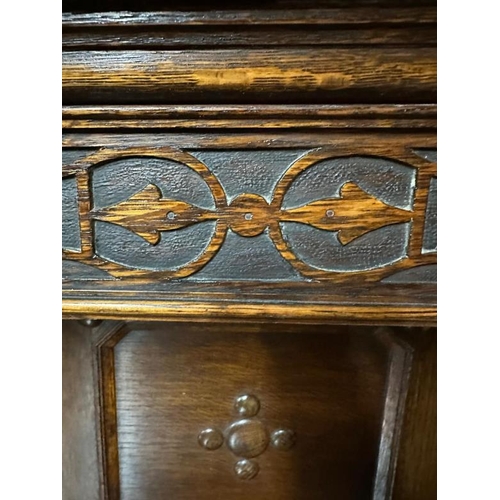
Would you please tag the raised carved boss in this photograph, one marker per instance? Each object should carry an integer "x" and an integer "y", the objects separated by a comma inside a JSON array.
[{"x": 247, "y": 438}]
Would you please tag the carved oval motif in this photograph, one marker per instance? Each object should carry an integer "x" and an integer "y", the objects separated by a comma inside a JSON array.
[
  {"x": 153, "y": 211},
  {"x": 347, "y": 214}
]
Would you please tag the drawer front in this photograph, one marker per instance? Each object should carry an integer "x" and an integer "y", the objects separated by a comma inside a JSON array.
[
  {"x": 279, "y": 212},
  {"x": 210, "y": 411}
]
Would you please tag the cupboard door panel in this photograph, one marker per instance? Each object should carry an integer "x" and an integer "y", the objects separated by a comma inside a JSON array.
[{"x": 318, "y": 413}]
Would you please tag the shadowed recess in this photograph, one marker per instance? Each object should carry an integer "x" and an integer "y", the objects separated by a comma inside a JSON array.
[
  {"x": 420, "y": 274},
  {"x": 427, "y": 154},
  {"x": 322, "y": 249},
  {"x": 243, "y": 258},
  {"x": 249, "y": 171},
  {"x": 69, "y": 156},
  {"x": 70, "y": 218},
  {"x": 79, "y": 271},
  {"x": 391, "y": 182},
  {"x": 430, "y": 228},
  {"x": 175, "y": 248},
  {"x": 119, "y": 180}
]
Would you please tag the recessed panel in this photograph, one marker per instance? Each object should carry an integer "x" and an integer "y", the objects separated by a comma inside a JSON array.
[{"x": 210, "y": 412}]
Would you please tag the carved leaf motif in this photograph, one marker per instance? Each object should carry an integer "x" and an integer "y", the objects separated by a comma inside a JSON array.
[
  {"x": 354, "y": 214},
  {"x": 146, "y": 214}
]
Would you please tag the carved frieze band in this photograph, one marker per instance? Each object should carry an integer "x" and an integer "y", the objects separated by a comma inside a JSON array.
[{"x": 163, "y": 213}]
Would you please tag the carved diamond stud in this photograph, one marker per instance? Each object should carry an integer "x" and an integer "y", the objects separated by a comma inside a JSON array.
[{"x": 247, "y": 438}]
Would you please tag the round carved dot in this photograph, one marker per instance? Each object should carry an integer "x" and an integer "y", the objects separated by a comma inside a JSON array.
[
  {"x": 249, "y": 214},
  {"x": 210, "y": 439},
  {"x": 247, "y": 438},
  {"x": 171, "y": 215},
  {"x": 329, "y": 213},
  {"x": 246, "y": 469},
  {"x": 247, "y": 406},
  {"x": 283, "y": 439}
]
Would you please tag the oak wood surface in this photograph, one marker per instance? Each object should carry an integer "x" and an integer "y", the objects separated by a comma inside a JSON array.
[
  {"x": 379, "y": 116},
  {"x": 153, "y": 374},
  {"x": 416, "y": 473},
  {"x": 240, "y": 75},
  {"x": 274, "y": 17},
  {"x": 80, "y": 459},
  {"x": 344, "y": 301},
  {"x": 233, "y": 28},
  {"x": 244, "y": 88}
]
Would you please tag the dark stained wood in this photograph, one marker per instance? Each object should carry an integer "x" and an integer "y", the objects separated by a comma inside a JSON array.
[
  {"x": 401, "y": 359},
  {"x": 104, "y": 341},
  {"x": 403, "y": 116},
  {"x": 170, "y": 37},
  {"x": 264, "y": 28},
  {"x": 429, "y": 239},
  {"x": 332, "y": 409},
  {"x": 356, "y": 16},
  {"x": 80, "y": 476},
  {"x": 140, "y": 215},
  {"x": 379, "y": 143},
  {"x": 249, "y": 192},
  {"x": 201, "y": 5},
  {"x": 416, "y": 473}
]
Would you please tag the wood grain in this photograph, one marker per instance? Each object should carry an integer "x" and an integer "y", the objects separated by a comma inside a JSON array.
[
  {"x": 159, "y": 37},
  {"x": 354, "y": 214},
  {"x": 416, "y": 473},
  {"x": 353, "y": 301},
  {"x": 283, "y": 75},
  {"x": 240, "y": 28},
  {"x": 378, "y": 143},
  {"x": 146, "y": 214},
  {"x": 80, "y": 476},
  {"x": 376, "y": 116},
  {"x": 200, "y": 311},
  {"x": 253, "y": 119},
  {"x": 335, "y": 405},
  {"x": 274, "y": 17}
]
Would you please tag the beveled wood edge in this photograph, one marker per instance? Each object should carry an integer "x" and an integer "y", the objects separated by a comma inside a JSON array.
[
  {"x": 252, "y": 116},
  {"x": 398, "y": 378},
  {"x": 327, "y": 16},
  {"x": 201, "y": 311},
  {"x": 104, "y": 338}
]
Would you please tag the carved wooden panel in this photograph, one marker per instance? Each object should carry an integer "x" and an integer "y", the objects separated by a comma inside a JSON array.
[
  {"x": 338, "y": 214},
  {"x": 318, "y": 212},
  {"x": 222, "y": 411}
]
